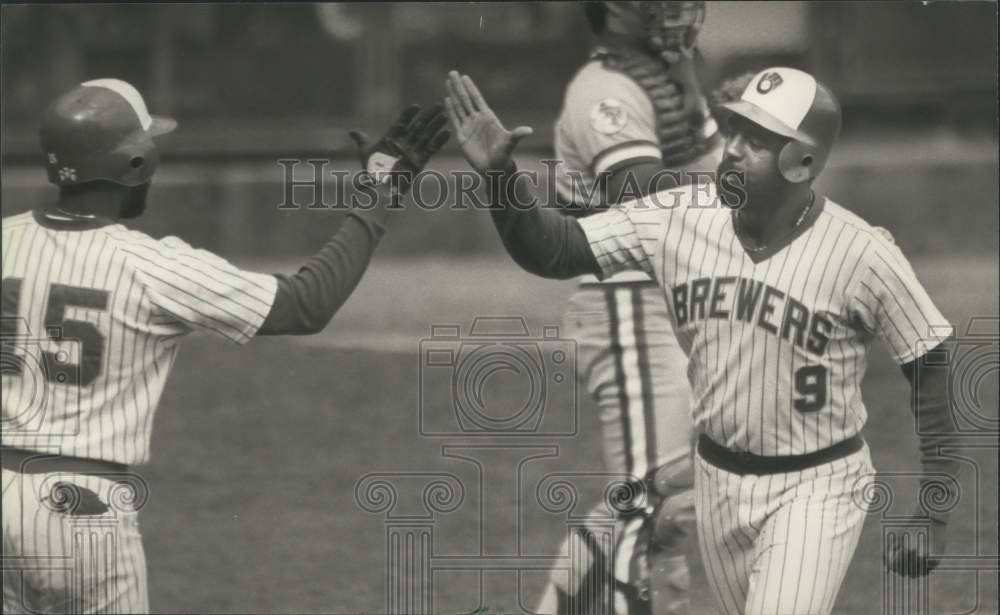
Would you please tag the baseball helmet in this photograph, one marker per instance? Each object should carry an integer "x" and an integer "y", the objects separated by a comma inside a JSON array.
[
  {"x": 101, "y": 130},
  {"x": 793, "y": 104}
]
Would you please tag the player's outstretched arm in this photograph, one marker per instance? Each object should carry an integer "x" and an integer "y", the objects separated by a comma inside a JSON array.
[
  {"x": 933, "y": 410},
  {"x": 541, "y": 241},
  {"x": 306, "y": 301},
  {"x": 892, "y": 303}
]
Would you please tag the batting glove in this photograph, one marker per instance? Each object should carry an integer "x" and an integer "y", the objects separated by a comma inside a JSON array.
[{"x": 405, "y": 148}]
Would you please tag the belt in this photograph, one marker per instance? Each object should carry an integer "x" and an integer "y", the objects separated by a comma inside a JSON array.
[
  {"x": 33, "y": 462},
  {"x": 631, "y": 283},
  {"x": 747, "y": 463}
]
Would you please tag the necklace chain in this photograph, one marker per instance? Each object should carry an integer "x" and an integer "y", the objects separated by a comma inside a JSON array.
[
  {"x": 798, "y": 222},
  {"x": 70, "y": 215}
]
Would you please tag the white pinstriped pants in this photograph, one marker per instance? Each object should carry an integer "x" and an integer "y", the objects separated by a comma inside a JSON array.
[
  {"x": 780, "y": 544},
  {"x": 55, "y": 562}
]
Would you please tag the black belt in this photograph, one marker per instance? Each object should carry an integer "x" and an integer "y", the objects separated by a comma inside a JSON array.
[
  {"x": 32, "y": 462},
  {"x": 630, "y": 283},
  {"x": 747, "y": 463}
]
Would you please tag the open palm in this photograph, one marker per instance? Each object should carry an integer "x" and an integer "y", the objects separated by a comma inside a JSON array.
[{"x": 486, "y": 144}]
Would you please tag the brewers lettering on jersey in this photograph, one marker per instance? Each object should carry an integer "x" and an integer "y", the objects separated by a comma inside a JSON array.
[
  {"x": 777, "y": 343},
  {"x": 775, "y": 305},
  {"x": 92, "y": 319}
]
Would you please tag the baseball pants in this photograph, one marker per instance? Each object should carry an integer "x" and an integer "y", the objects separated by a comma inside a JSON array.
[
  {"x": 639, "y": 568},
  {"x": 71, "y": 544},
  {"x": 780, "y": 544},
  {"x": 634, "y": 369}
]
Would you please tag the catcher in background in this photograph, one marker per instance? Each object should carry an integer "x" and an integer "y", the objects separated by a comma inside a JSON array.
[
  {"x": 634, "y": 120},
  {"x": 782, "y": 472}
]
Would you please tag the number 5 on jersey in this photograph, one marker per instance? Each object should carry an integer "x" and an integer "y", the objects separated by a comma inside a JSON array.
[{"x": 59, "y": 329}]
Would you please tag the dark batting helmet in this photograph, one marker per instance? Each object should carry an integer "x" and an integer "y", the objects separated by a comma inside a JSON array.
[
  {"x": 793, "y": 104},
  {"x": 101, "y": 130}
]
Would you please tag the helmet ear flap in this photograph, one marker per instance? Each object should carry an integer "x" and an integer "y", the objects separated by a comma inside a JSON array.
[
  {"x": 798, "y": 162},
  {"x": 136, "y": 161}
]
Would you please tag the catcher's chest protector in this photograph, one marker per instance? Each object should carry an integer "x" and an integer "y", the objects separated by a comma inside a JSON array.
[{"x": 683, "y": 127}]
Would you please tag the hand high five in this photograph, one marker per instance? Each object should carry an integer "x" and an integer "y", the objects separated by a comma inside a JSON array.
[
  {"x": 406, "y": 147},
  {"x": 486, "y": 144}
]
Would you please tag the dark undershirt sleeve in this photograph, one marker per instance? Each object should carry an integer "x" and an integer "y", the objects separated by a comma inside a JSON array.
[
  {"x": 307, "y": 300},
  {"x": 932, "y": 413},
  {"x": 541, "y": 241}
]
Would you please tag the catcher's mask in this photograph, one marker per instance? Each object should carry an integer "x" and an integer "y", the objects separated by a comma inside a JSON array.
[
  {"x": 793, "y": 104},
  {"x": 668, "y": 28}
]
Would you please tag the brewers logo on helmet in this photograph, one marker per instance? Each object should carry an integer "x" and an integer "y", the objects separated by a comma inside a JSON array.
[
  {"x": 793, "y": 104},
  {"x": 101, "y": 130}
]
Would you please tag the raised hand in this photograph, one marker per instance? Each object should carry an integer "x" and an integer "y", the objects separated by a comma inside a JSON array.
[
  {"x": 486, "y": 144},
  {"x": 406, "y": 147}
]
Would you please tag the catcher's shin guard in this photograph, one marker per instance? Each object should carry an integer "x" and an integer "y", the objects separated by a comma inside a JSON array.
[
  {"x": 645, "y": 570},
  {"x": 585, "y": 587},
  {"x": 669, "y": 532}
]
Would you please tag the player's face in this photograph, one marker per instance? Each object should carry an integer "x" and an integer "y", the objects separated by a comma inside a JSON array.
[{"x": 751, "y": 153}]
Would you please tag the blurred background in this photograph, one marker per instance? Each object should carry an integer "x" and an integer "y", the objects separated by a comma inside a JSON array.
[
  {"x": 251, "y": 83},
  {"x": 256, "y": 451}
]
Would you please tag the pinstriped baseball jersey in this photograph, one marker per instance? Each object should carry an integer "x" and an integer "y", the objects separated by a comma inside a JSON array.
[
  {"x": 92, "y": 320},
  {"x": 777, "y": 347}
]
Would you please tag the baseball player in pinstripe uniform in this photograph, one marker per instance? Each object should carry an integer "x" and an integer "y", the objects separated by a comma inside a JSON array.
[
  {"x": 93, "y": 316},
  {"x": 634, "y": 116},
  {"x": 775, "y": 294}
]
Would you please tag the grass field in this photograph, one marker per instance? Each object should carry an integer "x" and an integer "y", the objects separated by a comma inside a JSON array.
[{"x": 257, "y": 450}]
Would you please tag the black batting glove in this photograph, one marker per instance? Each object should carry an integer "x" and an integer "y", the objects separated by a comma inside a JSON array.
[{"x": 406, "y": 147}]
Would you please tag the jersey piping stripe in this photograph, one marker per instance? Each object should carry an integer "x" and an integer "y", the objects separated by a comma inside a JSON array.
[
  {"x": 645, "y": 379},
  {"x": 635, "y": 408},
  {"x": 616, "y": 351},
  {"x": 616, "y": 155}
]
